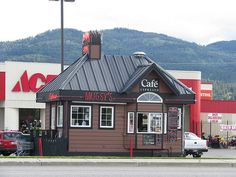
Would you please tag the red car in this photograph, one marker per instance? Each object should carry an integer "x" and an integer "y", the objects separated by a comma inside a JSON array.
[{"x": 8, "y": 142}]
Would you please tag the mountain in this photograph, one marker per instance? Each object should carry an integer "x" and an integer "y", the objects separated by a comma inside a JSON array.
[
  {"x": 224, "y": 46},
  {"x": 216, "y": 61}
]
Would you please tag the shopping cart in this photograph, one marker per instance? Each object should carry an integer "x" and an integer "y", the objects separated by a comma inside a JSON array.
[{"x": 24, "y": 145}]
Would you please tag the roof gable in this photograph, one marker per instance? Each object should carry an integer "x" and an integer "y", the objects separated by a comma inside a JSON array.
[{"x": 173, "y": 84}]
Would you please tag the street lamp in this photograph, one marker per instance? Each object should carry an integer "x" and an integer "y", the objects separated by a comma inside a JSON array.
[{"x": 62, "y": 31}]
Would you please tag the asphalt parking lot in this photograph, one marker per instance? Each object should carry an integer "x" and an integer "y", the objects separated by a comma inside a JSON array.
[{"x": 220, "y": 153}]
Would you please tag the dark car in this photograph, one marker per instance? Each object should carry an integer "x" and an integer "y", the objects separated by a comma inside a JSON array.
[
  {"x": 24, "y": 145},
  {"x": 232, "y": 141},
  {"x": 8, "y": 142}
]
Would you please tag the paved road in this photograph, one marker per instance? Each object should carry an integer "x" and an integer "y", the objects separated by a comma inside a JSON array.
[{"x": 117, "y": 171}]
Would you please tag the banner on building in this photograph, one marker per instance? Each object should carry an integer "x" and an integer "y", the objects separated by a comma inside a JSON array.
[
  {"x": 224, "y": 127},
  {"x": 214, "y": 117}
]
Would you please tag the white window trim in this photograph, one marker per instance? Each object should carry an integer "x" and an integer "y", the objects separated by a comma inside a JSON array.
[
  {"x": 53, "y": 117},
  {"x": 165, "y": 123},
  {"x": 149, "y": 101},
  {"x": 163, "y": 118},
  {"x": 80, "y": 126},
  {"x": 179, "y": 118},
  {"x": 112, "y": 118},
  {"x": 128, "y": 124},
  {"x": 58, "y": 114}
]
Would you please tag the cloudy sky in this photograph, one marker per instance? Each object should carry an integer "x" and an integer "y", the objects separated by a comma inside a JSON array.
[{"x": 200, "y": 21}]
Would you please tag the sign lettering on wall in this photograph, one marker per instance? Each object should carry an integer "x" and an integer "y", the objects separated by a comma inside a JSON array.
[
  {"x": 172, "y": 124},
  {"x": 98, "y": 96},
  {"x": 224, "y": 127},
  {"x": 214, "y": 117},
  {"x": 149, "y": 85},
  {"x": 32, "y": 83},
  {"x": 53, "y": 96}
]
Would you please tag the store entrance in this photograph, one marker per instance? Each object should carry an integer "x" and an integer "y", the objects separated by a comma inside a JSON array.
[{"x": 29, "y": 120}]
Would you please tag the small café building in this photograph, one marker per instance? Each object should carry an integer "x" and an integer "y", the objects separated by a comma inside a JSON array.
[{"x": 112, "y": 105}]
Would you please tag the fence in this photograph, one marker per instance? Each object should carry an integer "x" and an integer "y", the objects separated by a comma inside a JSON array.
[
  {"x": 51, "y": 144},
  {"x": 220, "y": 134}
]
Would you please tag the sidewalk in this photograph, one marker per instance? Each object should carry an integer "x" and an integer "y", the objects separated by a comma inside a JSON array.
[{"x": 116, "y": 162}]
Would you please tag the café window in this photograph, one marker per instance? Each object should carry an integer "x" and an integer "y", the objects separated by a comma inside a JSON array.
[
  {"x": 80, "y": 116},
  {"x": 130, "y": 128},
  {"x": 179, "y": 118},
  {"x": 59, "y": 116},
  {"x": 149, "y": 97},
  {"x": 53, "y": 117},
  {"x": 106, "y": 117},
  {"x": 150, "y": 123}
]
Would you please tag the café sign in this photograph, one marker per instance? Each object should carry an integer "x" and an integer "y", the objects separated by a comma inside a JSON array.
[{"x": 149, "y": 85}]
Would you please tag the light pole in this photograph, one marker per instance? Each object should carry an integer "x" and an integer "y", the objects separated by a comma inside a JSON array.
[{"x": 62, "y": 31}]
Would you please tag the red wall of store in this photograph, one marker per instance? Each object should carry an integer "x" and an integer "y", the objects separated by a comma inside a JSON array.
[
  {"x": 2, "y": 86},
  {"x": 218, "y": 106},
  {"x": 195, "y": 109}
]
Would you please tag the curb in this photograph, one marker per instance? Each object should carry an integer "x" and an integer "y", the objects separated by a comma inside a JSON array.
[{"x": 120, "y": 162}]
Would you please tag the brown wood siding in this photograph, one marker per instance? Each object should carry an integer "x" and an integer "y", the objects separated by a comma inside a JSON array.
[
  {"x": 131, "y": 107},
  {"x": 170, "y": 146},
  {"x": 99, "y": 140},
  {"x": 163, "y": 88},
  {"x": 174, "y": 146},
  {"x": 140, "y": 144},
  {"x": 149, "y": 107},
  {"x": 47, "y": 116}
]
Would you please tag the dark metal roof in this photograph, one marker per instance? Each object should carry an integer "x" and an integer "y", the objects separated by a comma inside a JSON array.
[{"x": 110, "y": 73}]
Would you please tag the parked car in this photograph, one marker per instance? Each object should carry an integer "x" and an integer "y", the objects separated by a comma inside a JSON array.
[
  {"x": 24, "y": 144},
  {"x": 232, "y": 141},
  {"x": 194, "y": 145},
  {"x": 8, "y": 142}
]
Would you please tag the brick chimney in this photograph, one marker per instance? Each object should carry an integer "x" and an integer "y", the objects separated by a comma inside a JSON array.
[{"x": 91, "y": 44}]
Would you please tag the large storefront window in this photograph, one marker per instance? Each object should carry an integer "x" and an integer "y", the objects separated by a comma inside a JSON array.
[
  {"x": 29, "y": 119},
  {"x": 106, "y": 117},
  {"x": 80, "y": 116},
  {"x": 150, "y": 122}
]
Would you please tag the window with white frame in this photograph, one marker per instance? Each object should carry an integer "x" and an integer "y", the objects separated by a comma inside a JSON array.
[
  {"x": 150, "y": 123},
  {"x": 130, "y": 128},
  {"x": 106, "y": 117},
  {"x": 80, "y": 116},
  {"x": 165, "y": 123},
  {"x": 60, "y": 116},
  {"x": 53, "y": 117},
  {"x": 179, "y": 118},
  {"x": 149, "y": 97}
]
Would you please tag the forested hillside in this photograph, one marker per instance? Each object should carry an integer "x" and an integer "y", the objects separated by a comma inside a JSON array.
[{"x": 216, "y": 61}]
